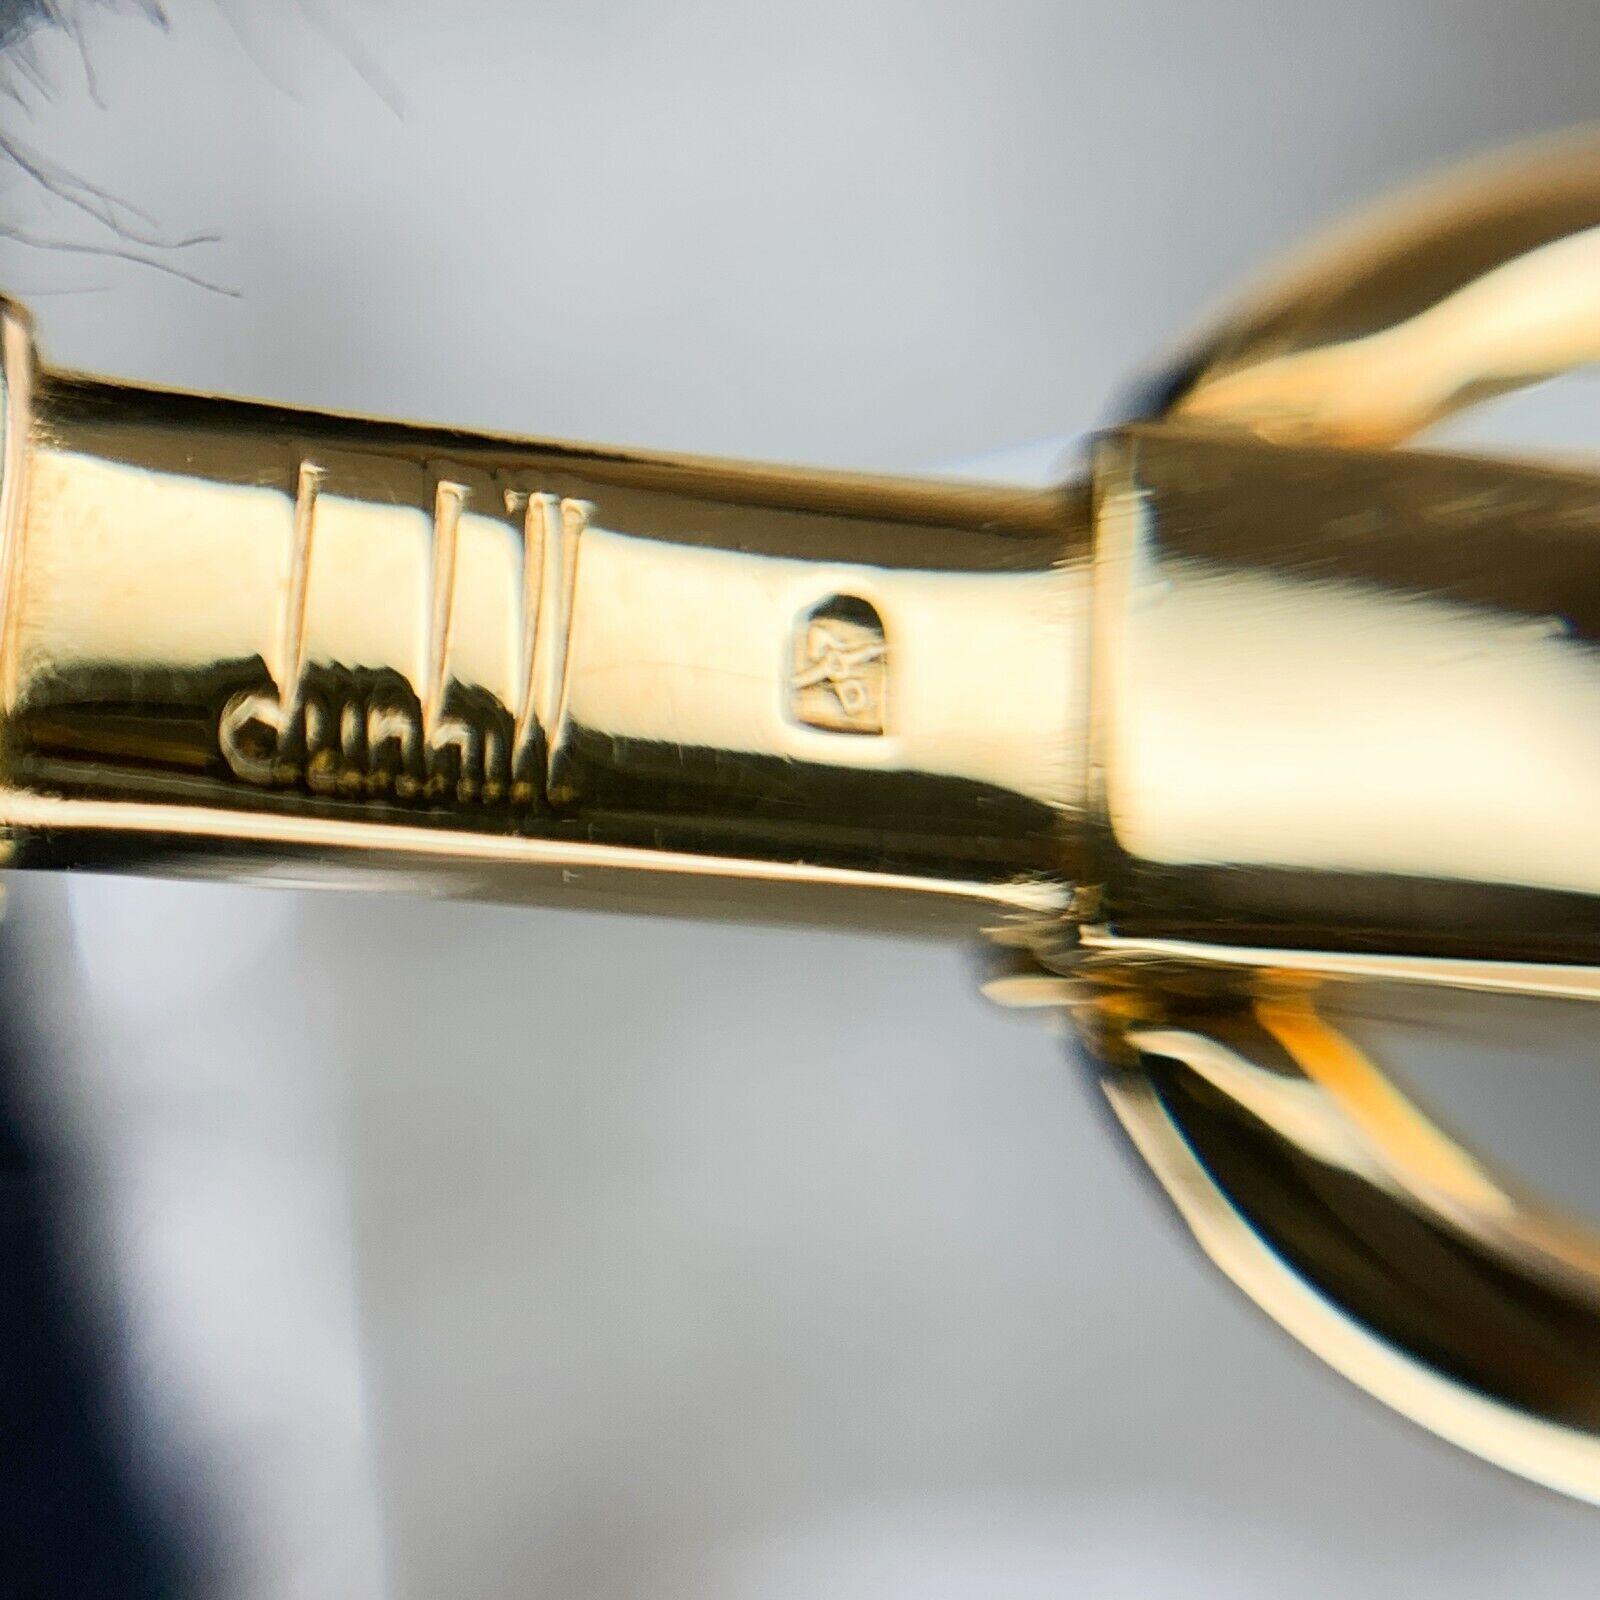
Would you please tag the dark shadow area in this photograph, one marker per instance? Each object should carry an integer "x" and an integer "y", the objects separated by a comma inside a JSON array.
[{"x": 79, "y": 1515}]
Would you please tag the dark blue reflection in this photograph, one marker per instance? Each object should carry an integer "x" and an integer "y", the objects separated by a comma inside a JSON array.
[{"x": 79, "y": 1515}]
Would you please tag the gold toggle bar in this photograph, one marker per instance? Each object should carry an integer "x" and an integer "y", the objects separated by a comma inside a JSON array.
[{"x": 238, "y": 633}]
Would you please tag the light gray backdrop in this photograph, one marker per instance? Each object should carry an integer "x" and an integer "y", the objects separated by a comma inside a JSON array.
[{"x": 472, "y": 1252}]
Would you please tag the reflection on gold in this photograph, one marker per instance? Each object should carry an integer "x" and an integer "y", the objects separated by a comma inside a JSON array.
[
  {"x": 1470, "y": 286},
  {"x": 1363, "y": 1230},
  {"x": 243, "y": 630},
  {"x": 1345, "y": 702},
  {"x": 1262, "y": 707},
  {"x": 1528, "y": 318},
  {"x": 1563, "y": 1455},
  {"x": 1386, "y": 1120},
  {"x": 1344, "y": 728},
  {"x": 1557, "y": 980}
]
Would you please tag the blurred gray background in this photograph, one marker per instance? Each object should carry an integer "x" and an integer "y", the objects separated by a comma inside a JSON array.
[{"x": 472, "y": 1252}]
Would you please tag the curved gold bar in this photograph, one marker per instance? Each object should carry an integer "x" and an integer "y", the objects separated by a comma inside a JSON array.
[
  {"x": 1365, "y": 1232},
  {"x": 1464, "y": 288}
]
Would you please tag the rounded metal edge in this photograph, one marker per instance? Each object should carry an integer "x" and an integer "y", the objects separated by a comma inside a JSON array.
[
  {"x": 18, "y": 367},
  {"x": 1356, "y": 1224},
  {"x": 1395, "y": 320}
]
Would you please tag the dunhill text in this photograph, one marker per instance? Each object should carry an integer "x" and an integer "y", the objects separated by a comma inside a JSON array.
[{"x": 349, "y": 735}]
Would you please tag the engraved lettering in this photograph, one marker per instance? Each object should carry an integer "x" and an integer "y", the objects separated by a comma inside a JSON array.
[
  {"x": 348, "y": 735},
  {"x": 254, "y": 725},
  {"x": 249, "y": 738}
]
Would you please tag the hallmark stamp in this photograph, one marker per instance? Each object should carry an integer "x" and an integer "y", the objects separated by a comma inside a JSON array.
[{"x": 839, "y": 674}]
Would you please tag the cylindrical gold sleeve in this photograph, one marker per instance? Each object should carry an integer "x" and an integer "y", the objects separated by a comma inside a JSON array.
[
  {"x": 236, "y": 631},
  {"x": 1347, "y": 710}
]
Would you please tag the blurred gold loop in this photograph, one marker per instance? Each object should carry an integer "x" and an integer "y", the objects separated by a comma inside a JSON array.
[
  {"x": 1447, "y": 295},
  {"x": 1452, "y": 1303}
]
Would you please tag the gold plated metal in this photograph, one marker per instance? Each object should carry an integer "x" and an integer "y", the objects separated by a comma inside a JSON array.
[
  {"x": 1377, "y": 1241},
  {"x": 1422, "y": 813},
  {"x": 1344, "y": 702},
  {"x": 235, "y": 633},
  {"x": 1267, "y": 712},
  {"x": 1469, "y": 286}
]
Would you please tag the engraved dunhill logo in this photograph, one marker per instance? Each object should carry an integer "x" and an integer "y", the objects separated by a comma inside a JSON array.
[
  {"x": 358, "y": 735},
  {"x": 839, "y": 673}
]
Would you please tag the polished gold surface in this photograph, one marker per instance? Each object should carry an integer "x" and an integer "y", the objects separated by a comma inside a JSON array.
[
  {"x": 1345, "y": 701},
  {"x": 1358, "y": 748},
  {"x": 1266, "y": 711},
  {"x": 236, "y": 633},
  {"x": 1372, "y": 1237},
  {"x": 1483, "y": 282}
]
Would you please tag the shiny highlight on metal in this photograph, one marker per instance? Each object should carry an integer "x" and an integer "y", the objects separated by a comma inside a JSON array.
[
  {"x": 532, "y": 671},
  {"x": 1278, "y": 705}
]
